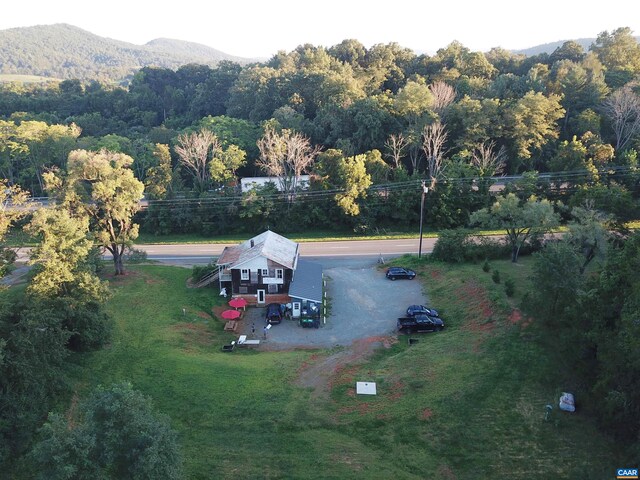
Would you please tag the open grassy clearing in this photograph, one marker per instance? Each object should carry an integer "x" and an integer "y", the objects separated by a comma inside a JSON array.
[
  {"x": 464, "y": 403},
  {"x": 19, "y": 78}
]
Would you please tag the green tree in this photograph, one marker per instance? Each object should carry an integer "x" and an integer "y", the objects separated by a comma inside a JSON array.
[
  {"x": 557, "y": 278},
  {"x": 64, "y": 277},
  {"x": 532, "y": 122},
  {"x": 474, "y": 121},
  {"x": 569, "y": 50},
  {"x": 521, "y": 220},
  {"x": 619, "y": 52},
  {"x": 225, "y": 163},
  {"x": 569, "y": 156},
  {"x": 32, "y": 370},
  {"x": 346, "y": 175},
  {"x": 588, "y": 233},
  {"x": 159, "y": 177},
  {"x": 118, "y": 435},
  {"x": 101, "y": 186},
  {"x": 259, "y": 206}
]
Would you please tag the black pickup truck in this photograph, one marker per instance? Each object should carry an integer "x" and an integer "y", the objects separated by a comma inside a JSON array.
[{"x": 420, "y": 323}]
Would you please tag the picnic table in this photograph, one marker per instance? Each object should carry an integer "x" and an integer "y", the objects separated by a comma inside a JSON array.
[{"x": 231, "y": 326}]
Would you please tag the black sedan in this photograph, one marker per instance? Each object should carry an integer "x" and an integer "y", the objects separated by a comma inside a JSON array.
[
  {"x": 413, "y": 310},
  {"x": 394, "y": 273}
]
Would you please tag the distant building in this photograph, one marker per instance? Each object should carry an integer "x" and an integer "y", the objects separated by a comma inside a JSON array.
[{"x": 249, "y": 183}]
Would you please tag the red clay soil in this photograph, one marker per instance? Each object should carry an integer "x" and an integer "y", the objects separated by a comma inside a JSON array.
[
  {"x": 426, "y": 414},
  {"x": 445, "y": 472},
  {"x": 120, "y": 280},
  {"x": 516, "y": 317},
  {"x": 217, "y": 311},
  {"x": 436, "y": 274},
  {"x": 396, "y": 391},
  {"x": 475, "y": 296}
]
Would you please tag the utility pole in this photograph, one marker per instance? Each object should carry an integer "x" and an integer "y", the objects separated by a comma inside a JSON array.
[{"x": 425, "y": 189}]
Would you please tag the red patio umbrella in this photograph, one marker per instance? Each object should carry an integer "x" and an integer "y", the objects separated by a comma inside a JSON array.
[
  {"x": 230, "y": 314},
  {"x": 238, "y": 303}
]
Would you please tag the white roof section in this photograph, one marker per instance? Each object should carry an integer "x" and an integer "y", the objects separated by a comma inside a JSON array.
[{"x": 268, "y": 244}]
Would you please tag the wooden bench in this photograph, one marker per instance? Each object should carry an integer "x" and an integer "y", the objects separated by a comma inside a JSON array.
[{"x": 243, "y": 342}]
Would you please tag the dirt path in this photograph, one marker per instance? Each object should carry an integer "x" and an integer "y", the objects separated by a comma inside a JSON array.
[{"x": 318, "y": 372}]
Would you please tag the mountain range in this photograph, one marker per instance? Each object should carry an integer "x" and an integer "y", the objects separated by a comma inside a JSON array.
[{"x": 63, "y": 51}]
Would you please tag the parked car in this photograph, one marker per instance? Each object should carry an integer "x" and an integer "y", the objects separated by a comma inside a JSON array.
[
  {"x": 394, "y": 273},
  {"x": 420, "y": 323},
  {"x": 308, "y": 322},
  {"x": 274, "y": 314},
  {"x": 413, "y": 310}
]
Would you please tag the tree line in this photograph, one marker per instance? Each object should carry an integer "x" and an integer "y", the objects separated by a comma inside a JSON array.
[
  {"x": 371, "y": 117},
  {"x": 116, "y": 433}
]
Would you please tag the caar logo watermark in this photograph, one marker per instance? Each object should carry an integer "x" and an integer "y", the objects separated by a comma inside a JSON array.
[{"x": 627, "y": 473}]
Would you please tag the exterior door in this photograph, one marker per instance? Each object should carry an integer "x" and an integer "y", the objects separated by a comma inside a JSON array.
[
  {"x": 296, "y": 310},
  {"x": 261, "y": 296}
]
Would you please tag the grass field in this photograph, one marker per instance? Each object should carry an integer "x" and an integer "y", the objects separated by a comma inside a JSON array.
[
  {"x": 466, "y": 403},
  {"x": 18, "y": 78},
  {"x": 320, "y": 236}
]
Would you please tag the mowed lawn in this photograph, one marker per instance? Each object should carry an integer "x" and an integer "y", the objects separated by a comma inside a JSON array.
[{"x": 467, "y": 402}]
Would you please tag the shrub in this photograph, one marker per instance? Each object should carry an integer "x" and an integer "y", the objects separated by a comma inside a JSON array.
[
  {"x": 509, "y": 287},
  {"x": 495, "y": 276},
  {"x": 486, "y": 267},
  {"x": 488, "y": 248},
  {"x": 134, "y": 255},
  {"x": 201, "y": 271},
  {"x": 451, "y": 246}
]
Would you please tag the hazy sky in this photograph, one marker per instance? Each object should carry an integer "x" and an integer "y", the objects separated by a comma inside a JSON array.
[{"x": 259, "y": 28}]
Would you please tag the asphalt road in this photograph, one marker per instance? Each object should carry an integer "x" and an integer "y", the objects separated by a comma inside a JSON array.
[
  {"x": 201, "y": 254},
  {"x": 196, "y": 254}
]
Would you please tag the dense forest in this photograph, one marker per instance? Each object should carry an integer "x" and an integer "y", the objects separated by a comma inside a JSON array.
[
  {"x": 494, "y": 138},
  {"x": 377, "y": 120}
]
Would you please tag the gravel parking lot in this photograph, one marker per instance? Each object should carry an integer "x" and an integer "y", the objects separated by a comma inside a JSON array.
[{"x": 362, "y": 303}]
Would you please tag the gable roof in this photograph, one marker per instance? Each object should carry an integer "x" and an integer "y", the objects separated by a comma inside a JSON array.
[{"x": 268, "y": 244}]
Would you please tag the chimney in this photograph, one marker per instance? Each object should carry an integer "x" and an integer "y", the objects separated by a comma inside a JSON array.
[{"x": 251, "y": 243}]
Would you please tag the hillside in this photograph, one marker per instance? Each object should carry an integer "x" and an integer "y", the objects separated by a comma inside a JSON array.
[
  {"x": 64, "y": 51},
  {"x": 550, "y": 47}
]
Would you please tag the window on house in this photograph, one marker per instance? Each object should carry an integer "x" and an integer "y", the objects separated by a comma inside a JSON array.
[
  {"x": 244, "y": 274},
  {"x": 279, "y": 274},
  {"x": 265, "y": 272}
]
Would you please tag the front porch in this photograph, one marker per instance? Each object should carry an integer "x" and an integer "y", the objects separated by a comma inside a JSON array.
[{"x": 252, "y": 299}]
